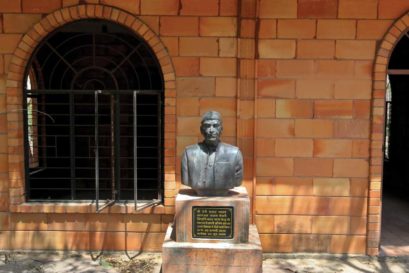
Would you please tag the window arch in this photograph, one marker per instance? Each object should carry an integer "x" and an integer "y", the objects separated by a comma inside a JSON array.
[{"x": 97, "y": 113}]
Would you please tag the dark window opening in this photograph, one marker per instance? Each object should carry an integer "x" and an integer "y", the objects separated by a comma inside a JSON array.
[{"x": 94, "y": 118}]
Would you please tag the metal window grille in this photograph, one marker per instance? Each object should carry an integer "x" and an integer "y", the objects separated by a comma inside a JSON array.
[{"x": 97, "y": 119}]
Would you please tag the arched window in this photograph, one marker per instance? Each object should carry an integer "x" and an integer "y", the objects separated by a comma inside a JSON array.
[{"x": 94, "y": 116}]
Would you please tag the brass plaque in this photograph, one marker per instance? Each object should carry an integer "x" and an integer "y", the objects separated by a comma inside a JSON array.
[{"x": 212, "y": 222}]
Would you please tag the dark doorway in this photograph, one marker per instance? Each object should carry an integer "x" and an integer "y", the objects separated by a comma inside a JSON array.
[{"x": 395, "y": 193}]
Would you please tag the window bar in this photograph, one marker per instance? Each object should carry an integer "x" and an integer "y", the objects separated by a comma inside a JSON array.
[
  {"x": 96, "y": 151},
  {"x": 72, "y": 146},
  {"x": 116, "y": 184},
  {"x": 159, "y": 123},
  {"x": 135, "y": 150}
]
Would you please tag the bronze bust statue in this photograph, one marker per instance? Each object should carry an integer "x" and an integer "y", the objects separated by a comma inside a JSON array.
[{"x": 212, "y": 167}]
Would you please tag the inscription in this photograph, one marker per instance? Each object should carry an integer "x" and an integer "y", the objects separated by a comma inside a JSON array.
[{"x": 212, "y": 222}]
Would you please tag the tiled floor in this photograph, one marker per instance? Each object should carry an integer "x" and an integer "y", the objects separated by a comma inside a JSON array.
[{"x": 395, "y": 226}]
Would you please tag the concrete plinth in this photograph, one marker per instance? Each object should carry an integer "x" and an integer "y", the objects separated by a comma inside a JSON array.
[
  {"x": 237, "y": 199},
  {"x": 194, "y": 257}
]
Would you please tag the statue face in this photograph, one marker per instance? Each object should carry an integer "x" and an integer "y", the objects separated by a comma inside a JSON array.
[{"x": 211, "y": 130}]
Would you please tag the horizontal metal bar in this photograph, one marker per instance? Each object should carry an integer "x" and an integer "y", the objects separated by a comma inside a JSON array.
[
  {"x": 398, "y": 71},
  {"x": 91, "y": 92}
]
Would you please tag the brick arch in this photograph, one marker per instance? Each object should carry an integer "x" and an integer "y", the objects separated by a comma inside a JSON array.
[
  {"x": 17, "y": 69},
  {"x": 386, "y": 47}
]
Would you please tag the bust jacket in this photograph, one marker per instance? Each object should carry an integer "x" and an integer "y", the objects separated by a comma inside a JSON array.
[{"x": 228, "y": 167}]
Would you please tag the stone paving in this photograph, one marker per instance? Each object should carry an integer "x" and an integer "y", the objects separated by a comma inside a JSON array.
[{"x": 119, "y": 262}]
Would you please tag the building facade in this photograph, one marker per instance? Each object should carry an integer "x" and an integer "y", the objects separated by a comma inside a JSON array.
[{"x": 301, "y": 86}]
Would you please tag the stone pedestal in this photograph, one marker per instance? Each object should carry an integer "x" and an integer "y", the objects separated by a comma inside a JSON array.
[
  {"x": 212, "y": 234},
  {"x": 187, "y": 201}
]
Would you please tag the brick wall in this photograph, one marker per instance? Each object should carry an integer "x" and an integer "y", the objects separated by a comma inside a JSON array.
[{"x": 295, "y": 83}]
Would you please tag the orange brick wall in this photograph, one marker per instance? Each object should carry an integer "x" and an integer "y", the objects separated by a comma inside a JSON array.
[{"x": 296, "y": 83}]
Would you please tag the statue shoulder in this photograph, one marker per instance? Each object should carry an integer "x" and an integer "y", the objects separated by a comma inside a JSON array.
[
  {"x": 191, "y": 148},
  {"x": 229, "y": 148}
]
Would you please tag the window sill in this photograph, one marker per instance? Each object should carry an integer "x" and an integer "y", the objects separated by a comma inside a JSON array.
[{"x": 44, "y": 207}]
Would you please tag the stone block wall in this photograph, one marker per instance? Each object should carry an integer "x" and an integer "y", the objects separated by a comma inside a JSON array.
[{"x": 300, "y": 88}]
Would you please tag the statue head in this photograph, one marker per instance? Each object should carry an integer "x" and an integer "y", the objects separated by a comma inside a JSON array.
[{"x": 211, "y": 127}]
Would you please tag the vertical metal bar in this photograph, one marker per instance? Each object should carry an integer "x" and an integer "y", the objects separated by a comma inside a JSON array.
[
  {"x": 26, "y": 145},
  {"x": 96, "y": 150},
  {"x": 160, "y": 148},
  {"x": 112, "y": 127},
  {"x": 72, "y": 145},
  {"x": 135, "y": 151},
  {"x": 117, "y": 140}
]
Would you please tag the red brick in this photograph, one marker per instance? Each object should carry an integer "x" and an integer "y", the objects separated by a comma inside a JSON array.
[
  {"x": 19, "y": 23},
  {"x": 299, "y": 29},
  {"x": 275, "y": 128},
  {"x": 348, "y": 244},
  {"x": 198, "y": 7},
  {"x": 330, "y": 224},
  {"x": 353, "y": 89},
  {"x": 358, "y": 9},
  {"x": 360, "y": 148},
  {"x": 195, "y": 86},
  {"x": 292, "y": 224},
  {"x": 357, "y": 50},
  {"x": 317, "y": 8},
  {"x": 276, "y": 88},
  {"x": 265, "y": 147},
  {"x": 228, "y": 7},
  {"x": 265, "y": 68},
  {"x": 314, "y": 89},
  {"x": 159, "y": 7},
  {"x": 218, "y": 26},
  {"x": 274, "y": 167},
  {"x": 171, "y": 44},
  {"x": 315, "y": 49},
  {"x": 362, "y": 109},
  {"x": 332, "y": 148},
  {"x": 227, "y": 47},
  {"x": 278, "y": 9},
  {"x": 9, "y": 42},
  {"x": 186, "y": 66},
  {"x": 335, "y": 69},
  {"x": 247, "y": 48},
  {"x": 363, "y": 69},
  {"x": 267, "y": 29},
  {"x": 248, "y": 8},
  {"x": 187, "y": 107},
  {"x": 351, "y": 168},
  {"x": 200, "y": 46},
  {"x": 277, "y": 242},
  {"x": 226, "y": 87},
  {"x": 294, "y": 109},
  {"x": 266, "y": 108},
  {"x": 358, "y": 225},
  {"x": 179, "y": 26},
  {"x": 372, "y": 29},
  {"x": 336, "y": 29},
  {"x": 294, "y": 147},
  {"x": 276, "y": 49},
  {"x": 225, "y": 106},
  {"x": 333, "y": 109},
  {"x": 218, "y": 66},
  {"x": 41, "y": 6},
  {"x": 10, "y": 6},
  {"x": 295, "y": 68},
  {"x": 352, "y": 128},
  {"x": 391, "y": 9},
  {"x": 313, "y": 128},
  {"x": 247, "y": 28},
  {"x": 265, "y": 223},
  {"x": 313, "y": 167},
  {"x": 131, "y": 6},
  {"x": 331, "y": 187}
]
